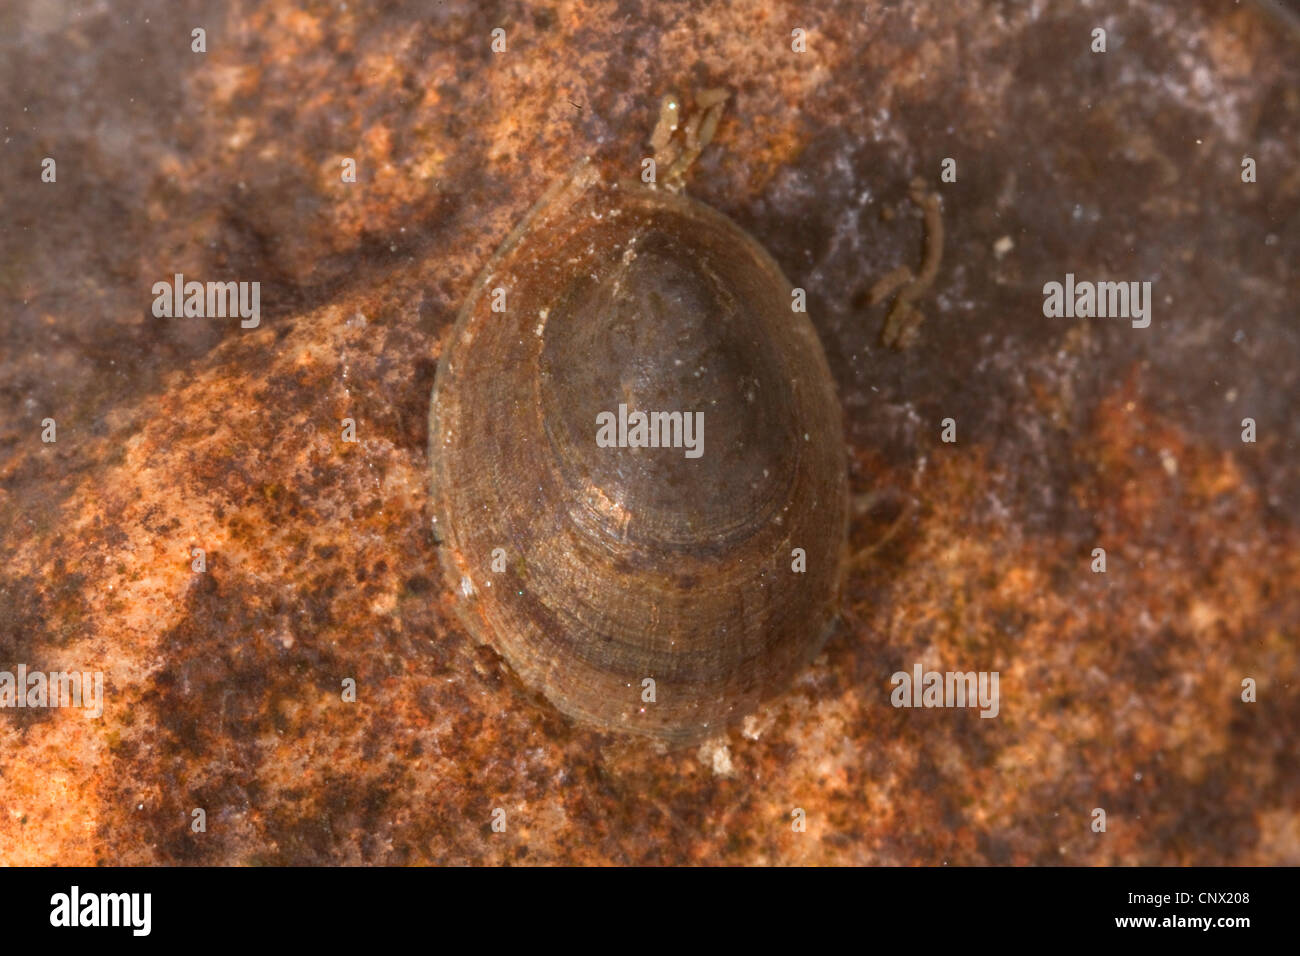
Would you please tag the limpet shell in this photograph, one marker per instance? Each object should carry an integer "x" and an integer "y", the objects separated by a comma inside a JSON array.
[{"x": 639, "y": 589}]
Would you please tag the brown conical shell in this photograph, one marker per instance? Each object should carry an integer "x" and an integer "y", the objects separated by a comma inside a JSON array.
[{"x": 593, "y": 569}]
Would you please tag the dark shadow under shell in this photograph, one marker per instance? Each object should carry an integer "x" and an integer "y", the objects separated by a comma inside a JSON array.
[{"x": 623, "y": 564}]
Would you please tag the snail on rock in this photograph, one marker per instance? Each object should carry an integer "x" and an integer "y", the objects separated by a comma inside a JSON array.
[{"x": 639, "y": 477}]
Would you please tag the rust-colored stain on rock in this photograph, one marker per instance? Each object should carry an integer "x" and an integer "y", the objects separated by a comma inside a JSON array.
[{"x": 223, "y": 688}]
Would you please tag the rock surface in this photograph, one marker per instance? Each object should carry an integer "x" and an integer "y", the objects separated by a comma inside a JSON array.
[{"x": 1120, "y": 691}]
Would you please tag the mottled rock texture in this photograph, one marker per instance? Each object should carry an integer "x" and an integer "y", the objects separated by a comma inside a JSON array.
[{"x": 1119, "y": 691}]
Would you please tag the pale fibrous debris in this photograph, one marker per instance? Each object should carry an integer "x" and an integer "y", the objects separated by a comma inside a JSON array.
[
  {"x": 904, "y": 318},
  {"x": 678, "y": 153}
]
